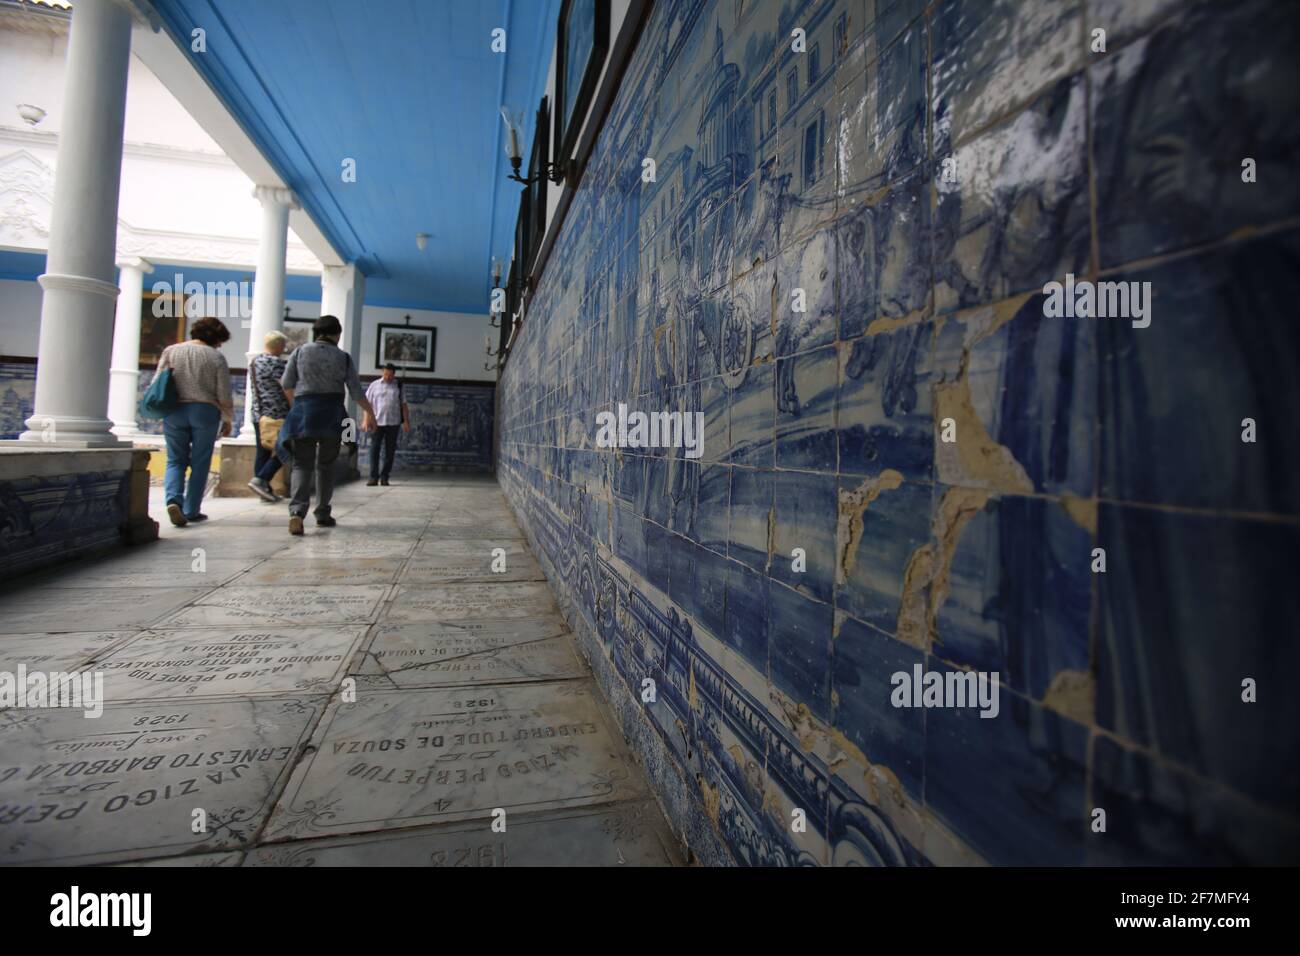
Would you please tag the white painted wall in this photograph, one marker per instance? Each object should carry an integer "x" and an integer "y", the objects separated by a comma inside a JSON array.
[
  {"x": 459, "y": 353},
  {"x": 174, "y": 176},
  {"x": 20, "y": 317},
  {"x": 458, "y": 347}
]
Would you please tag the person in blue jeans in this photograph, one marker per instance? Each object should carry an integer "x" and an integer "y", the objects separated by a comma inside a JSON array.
[{"x": 204, "y": 412}]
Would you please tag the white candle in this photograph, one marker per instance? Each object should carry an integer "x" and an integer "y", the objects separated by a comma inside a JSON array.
[{"x": 512, "y": 135}]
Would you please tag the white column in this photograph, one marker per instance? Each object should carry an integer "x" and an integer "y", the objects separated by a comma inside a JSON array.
[
  {"x": 77, "y": 308},
  {"x": 268, "y": 286},
  {"x": 124, "y": 374},
  {"x": 343, "y": 293}
]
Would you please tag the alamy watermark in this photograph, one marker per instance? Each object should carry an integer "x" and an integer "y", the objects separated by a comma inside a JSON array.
[
  {"x": 923, "y": 688},
  {"x": 128, "y": 910},
  {"x": 1098, "y": 300},
  {"x": 83, "y": 690},
  {"x": 651, "y": 430},
  {"x": 220, "y": 300}
]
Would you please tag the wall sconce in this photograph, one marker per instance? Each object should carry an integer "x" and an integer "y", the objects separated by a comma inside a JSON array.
[
  {"x": 421, "y": 240},
  {"x": 515, "y": 154},
  {"x": 487, "y": 349}
]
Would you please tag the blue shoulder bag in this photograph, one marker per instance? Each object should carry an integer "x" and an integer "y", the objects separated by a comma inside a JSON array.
[{"x": 161, "y": 397}]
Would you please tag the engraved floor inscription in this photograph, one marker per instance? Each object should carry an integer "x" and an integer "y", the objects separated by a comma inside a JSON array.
[
  {"x": 404, "y": 758},
  {"x": 366, "y": 694}
]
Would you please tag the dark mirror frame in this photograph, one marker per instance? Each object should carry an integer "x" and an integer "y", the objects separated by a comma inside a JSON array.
[
  {"x": 566, "y": 138},
  {"x": 523, "y": 239},
  {"x": 512, "y": 291},
  {"x": 541, "y": 156}
]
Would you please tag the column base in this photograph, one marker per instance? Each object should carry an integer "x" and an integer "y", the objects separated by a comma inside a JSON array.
[
  {"x": 33, "y": 440},
  {"x": 57, "y": 431},
  {"x": 139, "y": 527}
]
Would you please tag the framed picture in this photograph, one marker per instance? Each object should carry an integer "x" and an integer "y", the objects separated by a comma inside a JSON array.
[
  {"x": 581, "y": 45},
  {"x": 161, "y": 324},
  {"x": 537, "y": 191},
  {"x": 297, "y": 331},
  {"x": 406, "y": 346}
]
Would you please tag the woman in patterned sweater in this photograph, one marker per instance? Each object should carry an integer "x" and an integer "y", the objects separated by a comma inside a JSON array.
[{"x": 270, "y": 402}]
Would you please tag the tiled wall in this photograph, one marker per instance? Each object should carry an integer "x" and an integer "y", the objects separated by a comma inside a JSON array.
[
  {"x": 451, "y": 425},
  {"x": 54, "y": 516},
  {"x": 1120, "y": 690},
  {"x": 17, "y": 397},
  {"x": 451, "y": 430}
]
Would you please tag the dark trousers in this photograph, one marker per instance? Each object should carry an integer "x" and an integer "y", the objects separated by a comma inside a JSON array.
[
  {"x": 313, "y": 463},
  {"x": 265, "y": 464},
  {"x": 387, "y": 436}
]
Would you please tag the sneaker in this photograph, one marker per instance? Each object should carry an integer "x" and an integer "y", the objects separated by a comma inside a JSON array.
[
  {"x": 263, "y": 490},
  {"x": 325, "y": 521},
  {"x": 198, "y": 517},
  {"x": 295, "y": 524},
  {"x": 176, "y": 515},
  {"x": 372, "y": 482},
  {"x": 384, "y": 482}
]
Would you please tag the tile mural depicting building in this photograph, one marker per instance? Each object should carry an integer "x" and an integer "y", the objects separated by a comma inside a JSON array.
[
  {"x": 451, "y": 430},
  {"x": 17, "y": 397},
  {"x": 913, "y": 178}
]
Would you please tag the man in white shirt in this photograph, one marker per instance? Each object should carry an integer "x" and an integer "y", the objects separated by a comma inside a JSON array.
[{"x": 391, "y": 413}]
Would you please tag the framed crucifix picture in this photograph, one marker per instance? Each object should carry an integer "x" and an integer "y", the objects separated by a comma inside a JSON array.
[
  {"x": 406, "y": 346},
  {"x": 297, "y": 331}
]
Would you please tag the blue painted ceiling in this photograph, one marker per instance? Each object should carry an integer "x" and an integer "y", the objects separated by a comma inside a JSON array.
[{"x": 409, "y": 89}]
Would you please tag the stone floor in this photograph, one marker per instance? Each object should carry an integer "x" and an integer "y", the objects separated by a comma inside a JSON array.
[{"x": 371, "y": 693}]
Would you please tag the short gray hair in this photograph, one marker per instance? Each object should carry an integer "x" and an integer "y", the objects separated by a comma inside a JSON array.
[{"x": 274, "y": 338}]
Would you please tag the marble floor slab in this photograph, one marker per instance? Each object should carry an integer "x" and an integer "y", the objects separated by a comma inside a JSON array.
[
  {"x": 344, "y": 545},
  {"x": 289, "y": 604},
  {"x": 515, "y": 564},
  {"x": 413, "y": 757},
  {"x": 474, "y": 601},
  {"x": 499, "y": 530},
  {"x": 55, "y": 610},
  {"x": 174, "y": 570},
  {"x": 58, "y": 652},
  {"x": 218, "y": 539},
  {"x": 627, "y": 834},
  {"x": 233, "y": 858},
  {"x": 453, "y": 515},
  {"x": 204, "y": 662},
  {"x": 470, "y": 547},
  {"x": 468, "y": 652},
  {"x": 291, "y": 570},
  {"x": 126, "y": 785}
]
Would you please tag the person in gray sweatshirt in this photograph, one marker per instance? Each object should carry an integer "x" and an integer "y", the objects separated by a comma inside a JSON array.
[{"x": 315, "y": 380}]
